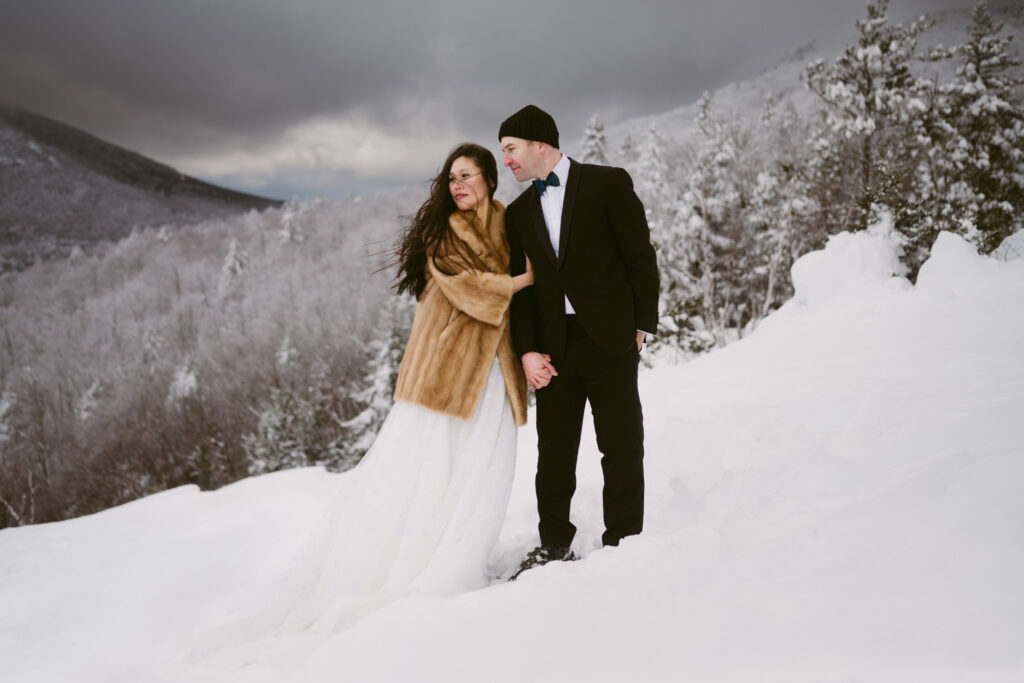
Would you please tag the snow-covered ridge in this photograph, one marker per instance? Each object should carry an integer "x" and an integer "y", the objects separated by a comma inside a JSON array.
[
  {"x": 832, "y": 498},
  {"x": 61, "y": 187}
]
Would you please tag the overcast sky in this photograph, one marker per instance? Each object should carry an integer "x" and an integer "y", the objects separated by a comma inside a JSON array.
[{"x": 307, "y": 97}]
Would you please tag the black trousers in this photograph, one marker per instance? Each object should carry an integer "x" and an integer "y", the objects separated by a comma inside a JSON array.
[{"x": 587, "y": 373}]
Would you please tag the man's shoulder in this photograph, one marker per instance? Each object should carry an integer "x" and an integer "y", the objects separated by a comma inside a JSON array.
[
  {"x": 519, "y": 202},
  {"x": 602, "y": 172},
  {"x": 598, "y": 176}
]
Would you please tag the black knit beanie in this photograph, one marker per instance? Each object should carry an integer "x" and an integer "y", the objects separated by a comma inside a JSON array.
[{"x": 530, "y": 123}]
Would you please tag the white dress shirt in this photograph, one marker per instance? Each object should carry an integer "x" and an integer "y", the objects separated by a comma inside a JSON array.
[{"x": 551, "y": 203}]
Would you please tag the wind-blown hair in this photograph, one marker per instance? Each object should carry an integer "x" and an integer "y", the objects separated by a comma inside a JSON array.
[{"x": 429, "y": 227}]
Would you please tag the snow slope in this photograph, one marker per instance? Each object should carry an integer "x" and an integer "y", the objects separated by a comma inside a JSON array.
[
  {"x": 833, "y": 498},
  {"x": 746, "y": 98}
]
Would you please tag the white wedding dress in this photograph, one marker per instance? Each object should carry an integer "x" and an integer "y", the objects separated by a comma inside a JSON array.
[{"x": 419, "y": 514}]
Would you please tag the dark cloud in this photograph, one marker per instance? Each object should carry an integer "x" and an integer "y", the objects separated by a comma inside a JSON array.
[{"x": 194, "y": 82}]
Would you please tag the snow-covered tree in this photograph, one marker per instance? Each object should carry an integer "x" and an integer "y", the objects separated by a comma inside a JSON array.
[
  {"x": 284, "y": 434},
  {"x": 164, "y": 234},
  {"x": 88, "y": 401},
  {"x": 651, "y": 177},
  {"x": 386, "y": 349},
  {"x": 184, "y": 384},
  {"x": 234, "y": 264},
  {"x": 152, "y": 348},
  {"x": 286, "y": 355},
  {"x": 291, "y": 225},
  {"x": 132, "y": 314},
  {"x": 701, "y": 252},
  {"x": 984, "y": 141},
  {"x": 299, "y": 425},
  {"x": 626, "y": 155},
  {"x": 781, "y": 212},
  {"x": 6, "y": 409},
  {"x": 595, "y": 147},
  {"x": 873, "y": 100},
  {"x": 870, "y": 86},
  {"x": 651, "y": 181}
]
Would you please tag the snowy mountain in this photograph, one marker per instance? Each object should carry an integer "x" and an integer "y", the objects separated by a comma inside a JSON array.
[
  {"x": 833, "y": 498},
  {"x": 61, "y": 187},
  {"x": 781, "y": 80}
]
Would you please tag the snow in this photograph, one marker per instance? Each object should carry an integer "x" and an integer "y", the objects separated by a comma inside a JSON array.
[
  {"x": 952, "y": 271},
  {"x": 6, "y": 403},
  {"x": 184, "y": 384},
  {"x": 87, "y": 403},
  {"x": 849, "y": 264},
  {"x": 833, "y": 498},
  {"x": 1011, "y": 248}
]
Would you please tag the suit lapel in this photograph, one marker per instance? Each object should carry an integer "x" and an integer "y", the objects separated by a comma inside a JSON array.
[
  {"x": 571, "y": 187},
  {"x": 540, "y": 227}
]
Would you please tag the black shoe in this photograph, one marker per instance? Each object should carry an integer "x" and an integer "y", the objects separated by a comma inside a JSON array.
[{"x": 543, "y": 554}]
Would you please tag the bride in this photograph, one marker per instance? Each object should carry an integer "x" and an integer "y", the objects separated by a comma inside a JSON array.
[{"x": 424, "y": 507}]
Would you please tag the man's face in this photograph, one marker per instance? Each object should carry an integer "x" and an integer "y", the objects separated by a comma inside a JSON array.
[{"x": 522, "y": 157}]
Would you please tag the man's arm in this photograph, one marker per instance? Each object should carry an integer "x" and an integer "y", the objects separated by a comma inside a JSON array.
[
  {"x": 629, "y": 226},
  {"x": 537, "y": 366},
  {"x": 524, "y": 305}
]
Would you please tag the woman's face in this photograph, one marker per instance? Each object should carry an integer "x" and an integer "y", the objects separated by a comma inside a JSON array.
[{"x": 467, "y": 184}]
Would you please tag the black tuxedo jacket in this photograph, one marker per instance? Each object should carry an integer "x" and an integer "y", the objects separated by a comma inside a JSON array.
[{"x": 605, "y": 265}]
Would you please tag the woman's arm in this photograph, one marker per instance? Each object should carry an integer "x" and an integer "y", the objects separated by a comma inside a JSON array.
[{"x": 480, "y": 294}]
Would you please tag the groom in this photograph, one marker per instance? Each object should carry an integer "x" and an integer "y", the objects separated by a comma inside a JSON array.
[{"x": 580, "y": 328}]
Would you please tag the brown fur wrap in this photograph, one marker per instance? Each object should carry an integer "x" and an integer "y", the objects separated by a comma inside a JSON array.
[{"x": 462, "y": 322}]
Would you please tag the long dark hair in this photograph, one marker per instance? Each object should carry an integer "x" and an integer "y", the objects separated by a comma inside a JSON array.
[{"x": 429, "y": 227}]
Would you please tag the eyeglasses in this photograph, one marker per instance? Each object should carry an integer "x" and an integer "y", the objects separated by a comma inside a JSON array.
[{"x": 462, "y": 178}]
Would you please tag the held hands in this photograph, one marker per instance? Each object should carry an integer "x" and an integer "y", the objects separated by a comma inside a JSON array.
[{"x": 538, "y": 369}]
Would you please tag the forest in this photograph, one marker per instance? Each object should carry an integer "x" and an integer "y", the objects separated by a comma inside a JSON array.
[{"x": 205, "y": 353}]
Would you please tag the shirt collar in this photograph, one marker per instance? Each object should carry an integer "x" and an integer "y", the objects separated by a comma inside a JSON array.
[{"x": 561, "y": 169}]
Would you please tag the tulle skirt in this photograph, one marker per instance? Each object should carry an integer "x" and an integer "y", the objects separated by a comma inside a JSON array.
[{"x": 423, "y": 509}]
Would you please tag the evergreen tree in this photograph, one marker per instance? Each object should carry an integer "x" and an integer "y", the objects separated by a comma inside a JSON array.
[
  {"x": 286, "y": 356},
  {"x": 234, "y": 265},
  {"x": 376, "y": 396},
  {"x": 702, "y": 254},
  {"x": 985, "y": 134},
  {"x": 650, "y": 178},
  {"x": 291, "y": 227},
  {"x": 781, "y": 210},
  {"x": 875, "y": 103},
  {"x": 651, "y": 169},
  {"x": 88, "y": 401},
  {"x": 6, "y": 409},
  {"x": 867, "y": 88},
  {"x": 934, "y": 187},
  {"x": 626, "y": 156},
  {"x": 830, "y": 170},
  {"x": 299, "y": 425},
  {"x": 282, "y": 439},
  {"x": 595, "y": 148},
  {"x": 184, "y": 384}
]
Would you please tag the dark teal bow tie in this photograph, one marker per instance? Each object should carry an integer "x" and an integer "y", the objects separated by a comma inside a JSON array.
[{"x": 541, "y": 185}]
